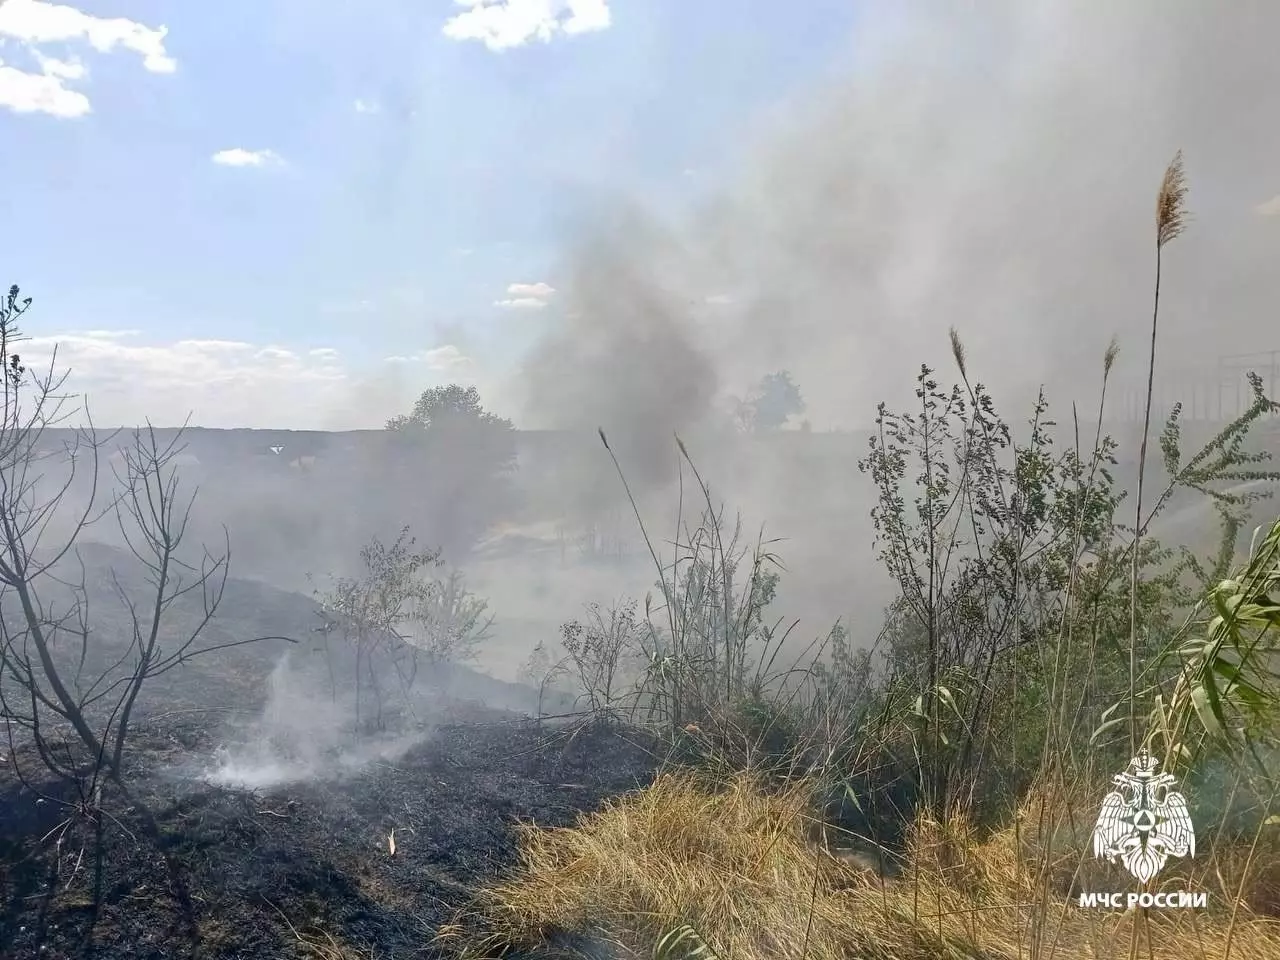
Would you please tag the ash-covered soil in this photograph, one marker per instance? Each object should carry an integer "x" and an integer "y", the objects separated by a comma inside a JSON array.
[
  {"x": 303, "y": 868},
  {"x": 270, "y": 872}
]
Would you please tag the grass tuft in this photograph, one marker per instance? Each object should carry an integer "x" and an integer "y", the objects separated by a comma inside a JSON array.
[{"x": 694, "y": 867}]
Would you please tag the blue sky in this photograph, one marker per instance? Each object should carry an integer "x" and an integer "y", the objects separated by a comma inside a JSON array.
[{"x": 247, "y": 214}]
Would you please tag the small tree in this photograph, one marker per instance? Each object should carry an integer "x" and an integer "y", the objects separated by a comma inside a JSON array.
[
  {"x": 604, "y": 653},
  {"x": 396, "y": 612},
  {"x": 542, "y": 672},
  {"x": 72, "y": 693},
  {"x": 371, "y": 609},
  {"x": 451, "y": 621}
]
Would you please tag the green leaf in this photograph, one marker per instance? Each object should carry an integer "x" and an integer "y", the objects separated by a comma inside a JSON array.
[
  {"x": 1108, "y": 725},
  {"x": 1208, "y": 707},
  {"x": 683, "y": 943},
  {"x": 853, "y": 798}
]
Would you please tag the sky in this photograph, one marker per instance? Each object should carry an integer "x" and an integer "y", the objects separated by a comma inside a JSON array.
[{"x": 300, "y": 213}]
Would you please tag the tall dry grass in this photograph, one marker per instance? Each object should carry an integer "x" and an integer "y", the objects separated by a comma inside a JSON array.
[{"x": 729, "y": 868}]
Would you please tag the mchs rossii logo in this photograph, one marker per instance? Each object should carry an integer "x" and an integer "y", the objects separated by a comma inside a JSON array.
[{"x": 1143, "y": 822}]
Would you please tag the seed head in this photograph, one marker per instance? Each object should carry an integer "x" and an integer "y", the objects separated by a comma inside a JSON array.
[
  {"x": 1171, "y": 203},
  {"x": 957, "y": 351}
]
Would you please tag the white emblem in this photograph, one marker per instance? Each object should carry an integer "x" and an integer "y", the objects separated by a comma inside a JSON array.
[{"x": 1144, "y": 821}]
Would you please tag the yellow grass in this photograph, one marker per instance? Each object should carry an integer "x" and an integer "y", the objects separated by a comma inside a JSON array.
[{"x": 733, "y": 863}]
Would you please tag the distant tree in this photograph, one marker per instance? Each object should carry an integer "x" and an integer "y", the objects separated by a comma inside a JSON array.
[
  {"x": 446, "y": 406},
  {"x": 458, "y": 457},
  {"x": 773, "y": 401},
  {"x": 448, "y": 414},
  {"x": 776, "y": 399}
]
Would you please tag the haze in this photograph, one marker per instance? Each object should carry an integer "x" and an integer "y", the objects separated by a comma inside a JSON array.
[{"x": 620, "y": 218}]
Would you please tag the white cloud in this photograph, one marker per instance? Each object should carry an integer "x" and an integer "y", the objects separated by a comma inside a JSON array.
[
  {"x": 221, "y": 382},
  {"x": 718, "y": 300},
  {"x": 240, "y": 157},
  {"x": 503, "y": 24},
  {"x": 24, "y": 92},
  {"x": 62, "y": 69},
  {"x": 444, "y": 358},
  {"x": 127, "y": 378},
  {"x": 527, "y": 296},
  {"x": 279, "y": 355},
  {"x": 106, "y": 356},
  {"x": 36, "y": 22},
  {"x": 541, "y": 291},
  {"x": 368, "y": 106},
  {"x": 1271, "y": 208}
]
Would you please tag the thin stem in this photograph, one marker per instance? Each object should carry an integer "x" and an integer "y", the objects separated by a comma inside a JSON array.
[{"x": 1137, "y": 526}]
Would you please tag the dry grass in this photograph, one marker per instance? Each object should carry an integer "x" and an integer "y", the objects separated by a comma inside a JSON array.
[{"x": 732, "y": 863}]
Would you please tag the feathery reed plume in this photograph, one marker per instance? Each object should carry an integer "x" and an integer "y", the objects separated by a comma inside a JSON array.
[
  {"x": 1109, "y": 358},
  {"x": 1171, "y": 220},
  {"x": 957, "y": 351},
  {"x": 1171, "y": 210}
]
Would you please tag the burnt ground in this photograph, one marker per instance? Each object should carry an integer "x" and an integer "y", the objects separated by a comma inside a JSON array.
[{"x": 266, "y": 870}]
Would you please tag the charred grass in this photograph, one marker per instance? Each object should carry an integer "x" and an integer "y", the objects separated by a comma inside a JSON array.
[{"x": 297, "y": 871}]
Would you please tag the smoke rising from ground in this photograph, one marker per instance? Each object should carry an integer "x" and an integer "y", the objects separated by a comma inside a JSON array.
[
  {"x": 993, "y": 168},
  {"x": 302, "y": 734},
  {"x": 625, "y": 359}
]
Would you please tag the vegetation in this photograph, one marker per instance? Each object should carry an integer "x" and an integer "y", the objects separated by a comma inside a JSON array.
[
  {"x": 688, "y": 868},
  {"x": 449, "y": 407},
  {"x": 461, "y": 458},
  {"x": 1040, "y": 636},
  {"x": 73, "y": 698},
  {"x": 394, "y": 615},
  {"x": 770, "y": 404}
]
